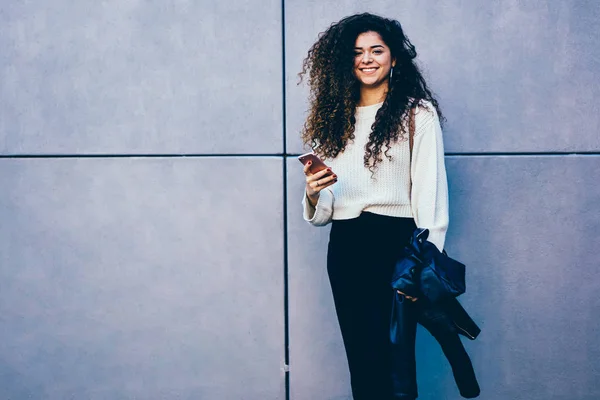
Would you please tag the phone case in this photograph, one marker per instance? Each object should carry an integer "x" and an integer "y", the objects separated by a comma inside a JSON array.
[{"x": 317, "y": 163}]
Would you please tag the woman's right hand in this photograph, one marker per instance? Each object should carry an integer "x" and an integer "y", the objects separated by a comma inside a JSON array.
[{"x": 317, "y": 182}]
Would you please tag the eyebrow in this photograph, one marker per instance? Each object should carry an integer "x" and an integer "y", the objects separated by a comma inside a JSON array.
[{"x": 377, "y": 45}]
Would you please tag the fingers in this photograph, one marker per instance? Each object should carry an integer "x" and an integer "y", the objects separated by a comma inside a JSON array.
[
  {"x": 326, "y": 185},
  {"x": 307, "y": 169},
  {"x": 407, "y": 297},
  {"x": 321, "y": 180},
  {"x": 323, "y": 173},
  {"x": 321, "y": 177},
  {"x": 318, "y": 181}
]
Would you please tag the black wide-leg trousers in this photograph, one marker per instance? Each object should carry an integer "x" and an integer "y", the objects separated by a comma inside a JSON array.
[
  {"x": 361, "y": 256},
  {"x": 360, "y": 259}
]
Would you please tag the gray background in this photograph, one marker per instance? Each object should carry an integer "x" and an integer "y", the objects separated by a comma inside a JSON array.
[{"x": 151, "y": 240}]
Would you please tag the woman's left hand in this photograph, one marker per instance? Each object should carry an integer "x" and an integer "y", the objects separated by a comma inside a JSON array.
[{"x": 407, "y": 297}]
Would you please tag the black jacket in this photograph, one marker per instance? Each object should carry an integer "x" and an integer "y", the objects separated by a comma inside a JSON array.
[{"x": 425, "y": 271}]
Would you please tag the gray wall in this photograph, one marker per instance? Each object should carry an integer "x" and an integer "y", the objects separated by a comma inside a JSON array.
[{"x": 151, "y": 242}]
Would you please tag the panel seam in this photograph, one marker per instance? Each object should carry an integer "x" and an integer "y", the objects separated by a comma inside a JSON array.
[
  {"x": 285, "y": 155},
  {"x": 285, "y": 212}
]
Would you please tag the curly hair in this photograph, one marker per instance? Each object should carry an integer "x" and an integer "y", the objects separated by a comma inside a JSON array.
[{"x": 335, "y": 91}]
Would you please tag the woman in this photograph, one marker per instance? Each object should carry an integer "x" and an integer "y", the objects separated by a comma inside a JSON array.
[{"x": 364, "y": 86}]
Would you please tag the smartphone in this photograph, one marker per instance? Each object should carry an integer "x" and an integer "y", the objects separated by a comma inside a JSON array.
[{"x": 317, "y": 164}]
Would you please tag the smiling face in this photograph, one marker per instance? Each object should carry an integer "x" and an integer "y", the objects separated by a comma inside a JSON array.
[{"x": 372, "y": 60}]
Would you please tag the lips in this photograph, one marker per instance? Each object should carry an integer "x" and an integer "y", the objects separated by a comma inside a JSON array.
[{"x": 369, "y": 70}]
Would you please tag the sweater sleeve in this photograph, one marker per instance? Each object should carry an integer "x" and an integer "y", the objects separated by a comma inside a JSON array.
[
  {"x": 429, "y": 192},
  {"x": 323, "y": 212}
]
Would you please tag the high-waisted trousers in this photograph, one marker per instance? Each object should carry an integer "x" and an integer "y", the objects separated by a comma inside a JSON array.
[{"x": 361, "y": 256}]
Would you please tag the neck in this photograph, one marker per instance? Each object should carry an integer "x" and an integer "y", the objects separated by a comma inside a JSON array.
[{"x": 370, "y": 95}]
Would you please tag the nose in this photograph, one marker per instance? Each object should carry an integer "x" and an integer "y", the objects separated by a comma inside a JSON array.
[{"x": 366, "y": 57}]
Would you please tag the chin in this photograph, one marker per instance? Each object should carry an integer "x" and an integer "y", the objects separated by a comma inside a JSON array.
[{"x": 372, "y": 82}]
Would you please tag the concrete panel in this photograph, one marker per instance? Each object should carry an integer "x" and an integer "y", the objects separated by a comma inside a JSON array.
[
  {"x": 527, "y": 228},
  {"x": 318, "y": 366},
  {"x": 139, "y": 278},
  {"x": 511, "y": 76},
  {"x": 140, "y": 77}
]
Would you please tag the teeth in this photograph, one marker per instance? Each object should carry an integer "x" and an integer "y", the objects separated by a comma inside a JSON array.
[{"x": 369, "y": 69}]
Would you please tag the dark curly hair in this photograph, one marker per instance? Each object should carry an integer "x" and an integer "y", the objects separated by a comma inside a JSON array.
[{"x": 335, "y": 91}]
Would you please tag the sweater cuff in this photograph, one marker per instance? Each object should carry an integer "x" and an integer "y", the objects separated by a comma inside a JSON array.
[
  {"x": 323, "y": 212},
  {"x": 437, "y": 236}
]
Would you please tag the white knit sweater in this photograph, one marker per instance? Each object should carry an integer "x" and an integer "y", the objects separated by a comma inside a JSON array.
[{"x": 389, "y": 192}]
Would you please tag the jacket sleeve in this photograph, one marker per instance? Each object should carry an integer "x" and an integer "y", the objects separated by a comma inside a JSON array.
[
  {"x": 323, "y": 212},
  {"x": 429, "y": 191}
]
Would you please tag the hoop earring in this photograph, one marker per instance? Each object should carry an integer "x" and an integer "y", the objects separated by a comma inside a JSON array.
[{"x": 391, "y": 73}]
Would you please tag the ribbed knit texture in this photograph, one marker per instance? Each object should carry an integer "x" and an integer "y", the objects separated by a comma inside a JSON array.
[{"x": 389, "y": 191}]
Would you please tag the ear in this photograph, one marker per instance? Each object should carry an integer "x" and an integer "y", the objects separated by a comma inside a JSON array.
[{"x": 393, "y": 62}]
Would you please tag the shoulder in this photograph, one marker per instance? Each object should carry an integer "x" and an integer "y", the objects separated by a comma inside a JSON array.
[{"x": 426, "y": 117}]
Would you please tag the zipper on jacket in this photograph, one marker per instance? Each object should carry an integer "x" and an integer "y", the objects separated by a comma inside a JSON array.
[{"x": 465, "y": 331}]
